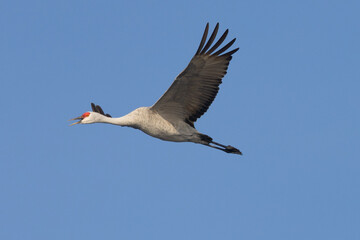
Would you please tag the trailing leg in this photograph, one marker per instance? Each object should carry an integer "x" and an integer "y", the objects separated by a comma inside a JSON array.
[{"x": 207, "y": 141}]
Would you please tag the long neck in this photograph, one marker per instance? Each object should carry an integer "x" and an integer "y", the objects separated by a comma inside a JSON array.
[{"x": 125, "y": 121}]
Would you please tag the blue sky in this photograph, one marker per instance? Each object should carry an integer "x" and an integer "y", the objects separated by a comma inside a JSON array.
[{"x": 290, "y": 103}]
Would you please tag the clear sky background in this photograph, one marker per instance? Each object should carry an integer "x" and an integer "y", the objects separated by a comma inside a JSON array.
[{"x": 290, "y": 103}]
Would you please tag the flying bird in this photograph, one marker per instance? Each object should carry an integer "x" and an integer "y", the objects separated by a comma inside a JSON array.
[{"x": 173, "y": 116}]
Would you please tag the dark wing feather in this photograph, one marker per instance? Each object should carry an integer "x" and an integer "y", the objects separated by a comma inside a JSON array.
[
  {"x": 195, "y": 88},
  {"x": 98, "y": 109}
]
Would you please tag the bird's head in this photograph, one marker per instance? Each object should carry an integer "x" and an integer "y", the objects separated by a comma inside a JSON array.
[
  {"x": 86, "y": 118},
  {"x": 97, "y": 115}
]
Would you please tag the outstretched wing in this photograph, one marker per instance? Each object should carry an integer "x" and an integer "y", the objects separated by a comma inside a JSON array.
[
  {"x": 98, "y": 109},
  {"x": 195, "y": 88}
]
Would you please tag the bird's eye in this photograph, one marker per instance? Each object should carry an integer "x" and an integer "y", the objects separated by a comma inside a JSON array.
[{"x": 85, "y": 115}]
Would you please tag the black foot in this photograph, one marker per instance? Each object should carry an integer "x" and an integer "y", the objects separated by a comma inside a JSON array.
[{"x": 231, "y": 149}]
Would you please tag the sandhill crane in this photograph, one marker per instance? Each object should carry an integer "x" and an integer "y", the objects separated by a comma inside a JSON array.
[{"x": 172, "y": 117}]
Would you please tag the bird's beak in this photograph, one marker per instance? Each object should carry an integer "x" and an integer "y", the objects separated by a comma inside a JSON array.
[{"x": 78, "y": 118}]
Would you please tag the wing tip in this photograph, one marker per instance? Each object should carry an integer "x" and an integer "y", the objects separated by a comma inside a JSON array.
[
  {"x": 203, "y": 39},
  {"x": 205, "y": 45},
  {"x": 98, "y": 109}
]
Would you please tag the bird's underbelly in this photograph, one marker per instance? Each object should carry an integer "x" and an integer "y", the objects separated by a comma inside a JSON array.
[
  {"x": 166, "y": 131},
  {"x": 153, "y": 124}
]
